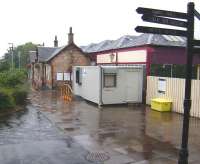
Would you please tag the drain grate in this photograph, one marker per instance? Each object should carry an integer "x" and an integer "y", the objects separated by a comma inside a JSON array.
[{"x": 97, "y": 156}]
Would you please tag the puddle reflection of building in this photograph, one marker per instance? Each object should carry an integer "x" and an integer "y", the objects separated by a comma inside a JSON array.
[
  {"x": 121, "y": 125},
  {"x": 159, "y": 133},
  {"x": 137, "y": 131}
]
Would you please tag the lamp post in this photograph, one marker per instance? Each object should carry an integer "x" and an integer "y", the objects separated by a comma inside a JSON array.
[
  {"x": 19, "y": 57},
  {"x": 11, "y": 50}
]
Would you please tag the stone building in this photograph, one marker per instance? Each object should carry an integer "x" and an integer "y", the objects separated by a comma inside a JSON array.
[{"x": 52, "y": 66}]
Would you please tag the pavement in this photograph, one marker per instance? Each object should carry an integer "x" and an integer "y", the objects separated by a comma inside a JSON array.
[{"x": 118, "y": 134}]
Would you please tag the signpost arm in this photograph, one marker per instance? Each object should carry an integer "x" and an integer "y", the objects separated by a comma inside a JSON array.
[
  {"x": 161, "y": 20},
  {"x": 155, "y": 30},
  {"x": 197, "y": 14},
  {"x": 183, "y": 155}
]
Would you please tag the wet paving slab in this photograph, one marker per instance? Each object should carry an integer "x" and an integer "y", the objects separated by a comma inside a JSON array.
[
  {"x": 127, "y": 134},
  {"x": 28, "y": 137}
]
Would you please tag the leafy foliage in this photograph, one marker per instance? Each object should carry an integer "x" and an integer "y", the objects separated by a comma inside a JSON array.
[
  {"x": 20, "y": 56},
  {"x": 7, "y": 100},
  {"x": 4, "y": 65},
  {"x": 19, "y": 94},
  {"x": 13, "y": 90},
  {"x": 12, "y": 78},
  {"x": 23, "y": 50}
]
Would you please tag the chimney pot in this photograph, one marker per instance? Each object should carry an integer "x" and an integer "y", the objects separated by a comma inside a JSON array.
[
  {"x": 70, "y": 36},
  {"x": 56, "y": 42}
]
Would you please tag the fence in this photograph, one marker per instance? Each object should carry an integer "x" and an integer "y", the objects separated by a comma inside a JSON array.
[
  {"x": 66, "y": 92},
  {"x": 173, "y": 89}
]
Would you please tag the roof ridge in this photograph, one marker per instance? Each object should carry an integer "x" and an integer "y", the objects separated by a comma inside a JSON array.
[{"x": 46, "y": 47}]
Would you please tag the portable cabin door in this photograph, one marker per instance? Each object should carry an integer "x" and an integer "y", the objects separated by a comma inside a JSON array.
[{"x": 133, "y": 85}]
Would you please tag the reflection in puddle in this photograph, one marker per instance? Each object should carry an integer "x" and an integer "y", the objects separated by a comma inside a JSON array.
[{"x": 141, "y": 133}]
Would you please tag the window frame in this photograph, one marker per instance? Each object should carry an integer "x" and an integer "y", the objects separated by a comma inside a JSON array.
[
  {"x": 115, "y": 80},
  {"x": 78, "y": 76},
  {"x": 58, "y": 76}
]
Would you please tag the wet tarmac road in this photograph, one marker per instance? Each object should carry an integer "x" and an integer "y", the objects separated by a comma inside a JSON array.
[
  {"x": 129, "y": 134},
  {"x": 27, "y": 137}
]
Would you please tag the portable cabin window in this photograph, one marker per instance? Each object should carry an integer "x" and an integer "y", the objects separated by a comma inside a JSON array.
[
  {"x": 78, "y": 76},
  {"x": 110, "y": 80}
]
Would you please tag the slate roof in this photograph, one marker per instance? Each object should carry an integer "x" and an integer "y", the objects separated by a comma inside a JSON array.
[
  {"x": 127, "y": 41},
  {"x": 134, "y": 41},
  {"x": 55, "y": 52},
  {"x": 45, "y": 52}
]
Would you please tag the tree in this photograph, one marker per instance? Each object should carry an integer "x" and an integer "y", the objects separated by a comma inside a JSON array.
[
  {"x": 23, "y": 50},
  {"x": 4, "y": 65},
  {"x": 24, "y": 53}
]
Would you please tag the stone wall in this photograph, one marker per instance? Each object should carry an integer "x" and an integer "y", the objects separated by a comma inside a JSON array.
[{"x": 63, "y": 62}]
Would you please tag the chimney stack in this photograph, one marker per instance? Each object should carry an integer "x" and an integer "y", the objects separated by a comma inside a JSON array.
[
  {"x": 56, "y": 42},
  {"x": 70, "y": 36}
]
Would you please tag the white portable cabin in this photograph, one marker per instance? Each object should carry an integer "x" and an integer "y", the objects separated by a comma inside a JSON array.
[{"x": 108, "y": 84}]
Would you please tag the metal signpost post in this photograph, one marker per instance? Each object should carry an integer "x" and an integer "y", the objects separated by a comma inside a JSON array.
[{"x": 187, "y": 21}]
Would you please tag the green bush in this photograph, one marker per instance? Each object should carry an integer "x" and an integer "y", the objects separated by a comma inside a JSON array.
[
  {"x": 7, "y": 100},
  {"x": 12, "y": 78},
  {"x": 13, "y": 88},
  {"x": 20, "y": 95},
  {"x": 4, "y": 65}
]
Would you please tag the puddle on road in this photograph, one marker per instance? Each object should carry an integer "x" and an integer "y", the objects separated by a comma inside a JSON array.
[{"x": 137, "y": 131}]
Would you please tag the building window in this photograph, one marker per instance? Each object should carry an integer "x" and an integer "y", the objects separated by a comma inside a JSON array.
[
  {"x": 59, "y": 76},
  {"x": 67, "y": 76},
  {"x": 110, "y": 80}
]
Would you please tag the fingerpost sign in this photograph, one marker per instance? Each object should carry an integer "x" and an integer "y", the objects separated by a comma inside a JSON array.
[{"x": 184, "y": 20}]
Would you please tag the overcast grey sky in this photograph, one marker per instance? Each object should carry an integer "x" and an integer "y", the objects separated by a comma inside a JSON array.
[{"x": 39, "y": 21}]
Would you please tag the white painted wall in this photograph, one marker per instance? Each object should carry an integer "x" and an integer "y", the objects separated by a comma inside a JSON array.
[
  {"x": 132, "y": 56},
  {"x": 128, "y": 89},
  {"x": 106, "y": 58},
  {"x": 90, "y": 87},
  {"x": 124, "y": 57}
]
